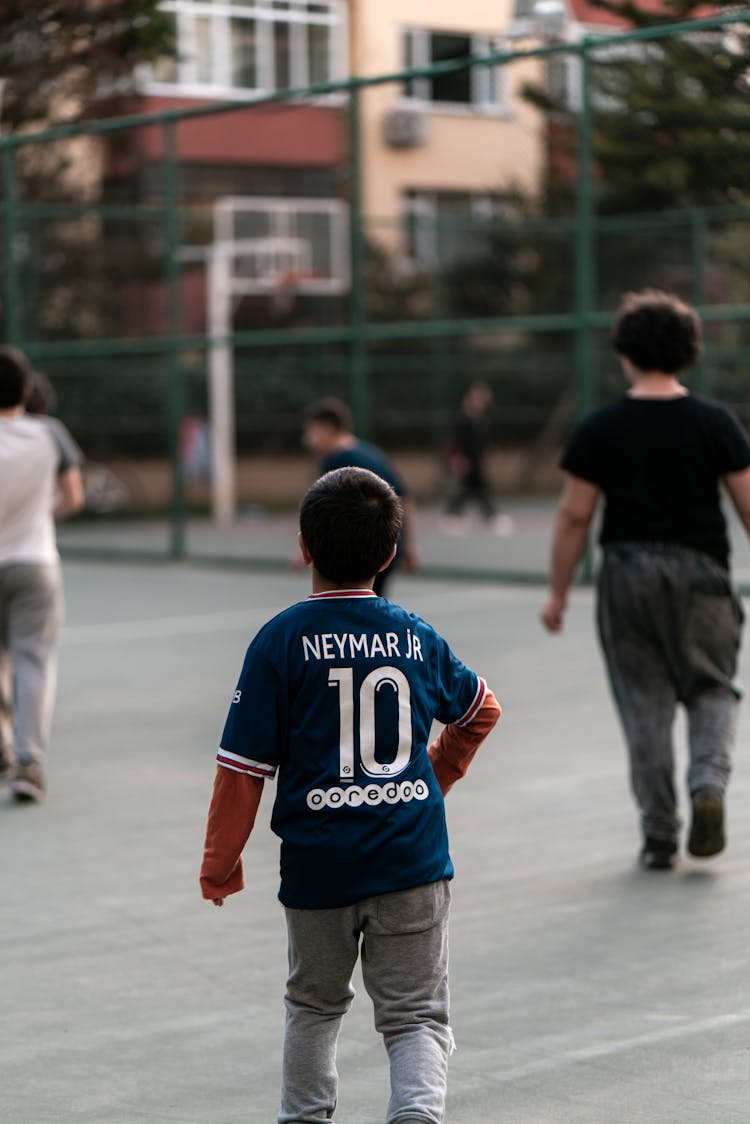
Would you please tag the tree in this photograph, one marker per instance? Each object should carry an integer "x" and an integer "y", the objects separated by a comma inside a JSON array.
[
  {"x": 67, "y": 60},
  {"x": 61, "y": 62},
  {"x": 671, "y": 117}
]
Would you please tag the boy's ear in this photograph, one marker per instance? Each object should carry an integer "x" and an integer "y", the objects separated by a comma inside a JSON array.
[
  {"x": 307, "y": 556},
  {"x": 387, "y": 564}
]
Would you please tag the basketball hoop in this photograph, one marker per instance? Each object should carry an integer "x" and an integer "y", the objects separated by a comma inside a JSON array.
[
  {"x": 299, "y": 245},
  {"x": 286, "y": 287}
]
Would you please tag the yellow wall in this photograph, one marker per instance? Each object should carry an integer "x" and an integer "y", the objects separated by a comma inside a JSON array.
[{"x": 465, "y": 150}]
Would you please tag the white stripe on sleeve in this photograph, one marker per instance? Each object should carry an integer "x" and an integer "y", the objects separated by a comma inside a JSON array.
[
  {"x": 476, "y": 704},
  {"x": 239, "y": 764}
]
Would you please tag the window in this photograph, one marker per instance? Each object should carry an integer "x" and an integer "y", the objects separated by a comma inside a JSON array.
[
  {"x": 228, "y": 46},
  {"x": 478, "y": 87},
  {"x": 523, "y": 9},
  {"x": 443, "y": 226},
  {"x": 563, "y": 79},
  {"x": 560, "y": 80}
]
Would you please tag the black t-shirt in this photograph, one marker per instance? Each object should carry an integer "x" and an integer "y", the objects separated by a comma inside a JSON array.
[
  {"x": 470, "y": 434},
  {"x": 658, "y": 462}
]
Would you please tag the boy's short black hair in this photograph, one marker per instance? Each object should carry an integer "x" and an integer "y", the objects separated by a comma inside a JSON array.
[
  {"x": 15, "y": 372},
  {"x": 331, "y": 411},
  {"x": 657, "y": 331},
  {"x": 350, "y": 520}
]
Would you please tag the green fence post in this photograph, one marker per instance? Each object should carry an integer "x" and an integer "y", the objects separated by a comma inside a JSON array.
[
  {"x": 11, "y": 294},
  {"x": 584, "y": 264},
  {"x": 583, "y": 251},
  {"x": 699, "y": 249},
  {"x": 359, "y": 380},
  {"x": 175, "y": 385}
]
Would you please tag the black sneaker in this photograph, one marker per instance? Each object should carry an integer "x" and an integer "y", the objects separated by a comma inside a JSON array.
[
  {"x": 28, "y": 784},
  {"x": 657, "y": 854},
  {"x": 707, "y": 829}
]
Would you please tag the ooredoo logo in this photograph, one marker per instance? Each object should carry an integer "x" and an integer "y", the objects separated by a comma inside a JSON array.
[{"x": 354, "y": 796}]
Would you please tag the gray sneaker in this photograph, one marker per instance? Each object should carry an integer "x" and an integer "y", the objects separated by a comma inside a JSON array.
[{"x": 28, "y": 784}]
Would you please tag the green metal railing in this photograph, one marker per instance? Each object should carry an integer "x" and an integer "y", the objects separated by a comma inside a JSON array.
[{"x": 358, "y": 334}]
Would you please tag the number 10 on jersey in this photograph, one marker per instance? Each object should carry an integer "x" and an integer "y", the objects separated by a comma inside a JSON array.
[{"x": 375, "y": 681}]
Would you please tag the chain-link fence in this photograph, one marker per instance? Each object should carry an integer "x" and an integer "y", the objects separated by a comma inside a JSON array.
[{"x": 187, "y": 309}]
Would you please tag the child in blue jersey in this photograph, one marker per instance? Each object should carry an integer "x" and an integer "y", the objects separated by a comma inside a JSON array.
[
  {"x": 336, "y": 698},
  {"x": 329, "y": 433}
]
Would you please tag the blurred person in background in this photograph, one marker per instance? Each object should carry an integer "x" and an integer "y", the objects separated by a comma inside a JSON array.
[
  {"x": 41, "y": 399},
  {"x": 195, "y": 449},
  {"x": 467, "y": 456},
  {"x": 328, "y": 432},
  {"x": 40, "y": 480},
  {"x": 669, "y": 618}
]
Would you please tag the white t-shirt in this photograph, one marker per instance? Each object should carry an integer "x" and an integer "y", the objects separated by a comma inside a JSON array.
[{"x": 33, "y": 453}]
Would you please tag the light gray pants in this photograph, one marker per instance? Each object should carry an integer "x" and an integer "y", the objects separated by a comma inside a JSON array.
[
  {"x": 31, "y": 611},
  {"x": 670, "y": 625},
  {"x": 404, "y": 950}
]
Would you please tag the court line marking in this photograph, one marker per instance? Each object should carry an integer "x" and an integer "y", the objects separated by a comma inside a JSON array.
[
  {"x": 162, "y": 627},
  {"x": 622, "y": 1045},
  {"x": 190, "y": 1023},
  {"x": 232, "y": 619}
]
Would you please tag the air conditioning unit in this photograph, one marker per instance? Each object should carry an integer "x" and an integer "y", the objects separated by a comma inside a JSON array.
[{"x": 405, "y": 126}]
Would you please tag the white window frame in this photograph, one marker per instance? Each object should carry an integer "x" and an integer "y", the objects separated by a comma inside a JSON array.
[
  {"x": 612, "y": 52},
  {"x": 424, "y": 205},
  {"x": 220, "y": 13},
  {"x": 416, "y": 47}
]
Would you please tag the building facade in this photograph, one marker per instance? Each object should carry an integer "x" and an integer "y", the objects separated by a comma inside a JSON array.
[
  {"x": 440, "y": 154},
  {"x": 436, "y": 153}
]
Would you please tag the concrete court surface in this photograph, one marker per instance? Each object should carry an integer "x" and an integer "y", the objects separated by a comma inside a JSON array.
[
  {"x": 270, "y": 537},
  {"x": 584, "y": 991}
]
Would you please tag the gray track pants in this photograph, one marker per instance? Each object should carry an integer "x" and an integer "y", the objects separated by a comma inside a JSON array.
[
  {"x": 405, "y": 970},
  {"x": 670, "y": 625},
  {"x": 31, "y": 609}
]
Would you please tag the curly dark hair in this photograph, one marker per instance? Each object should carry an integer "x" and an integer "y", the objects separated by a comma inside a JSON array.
[
  {"x": 15, "y": 373},
  {"x": 657, "y": 331},
  {"x": 350, "y": 520}
]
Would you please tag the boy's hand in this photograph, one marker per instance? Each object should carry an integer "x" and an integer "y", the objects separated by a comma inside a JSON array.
[{"x": 217, "y": 901}]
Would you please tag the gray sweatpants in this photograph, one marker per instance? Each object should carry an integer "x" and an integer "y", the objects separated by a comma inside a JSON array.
[
  {"x": 31, "y": 610},
  {"x": 404, "y": 951},
  {"x": 670, "y": 625}
]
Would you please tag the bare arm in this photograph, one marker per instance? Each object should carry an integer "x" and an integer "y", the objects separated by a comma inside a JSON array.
[
  {"x": 410, "y": 552},
  {"x": 738, "y": 486},
  {"x": 574, "y": 514},
  {"x": 70, "y": 494}
]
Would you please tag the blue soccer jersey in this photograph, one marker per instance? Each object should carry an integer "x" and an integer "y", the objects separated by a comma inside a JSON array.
[
  {"x": 364, "y": 455},
  {"x": 337, "y": 696}
]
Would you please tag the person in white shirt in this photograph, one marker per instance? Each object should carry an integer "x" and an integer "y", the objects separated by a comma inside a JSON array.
[{"x": 40, "y": 481}]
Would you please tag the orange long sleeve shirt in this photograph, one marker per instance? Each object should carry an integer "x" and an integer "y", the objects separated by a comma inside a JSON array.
[{"x": 236, "y": 796}]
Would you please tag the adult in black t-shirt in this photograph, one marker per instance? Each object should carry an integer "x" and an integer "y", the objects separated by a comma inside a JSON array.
[{"x": 668, "y": 616}]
